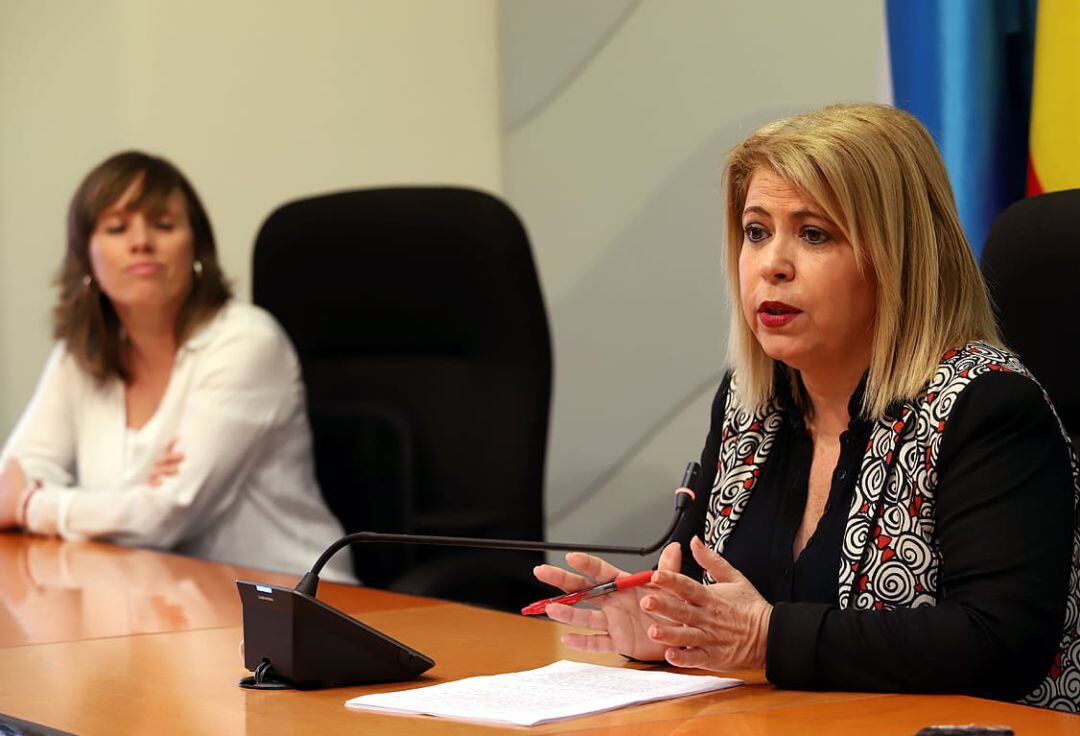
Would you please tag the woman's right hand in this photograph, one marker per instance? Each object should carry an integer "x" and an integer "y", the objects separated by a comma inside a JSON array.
[
  {"x": 167, "y": 464},
  {"x": 12, "y": 486},
  {"x": 624, "y": 625}
]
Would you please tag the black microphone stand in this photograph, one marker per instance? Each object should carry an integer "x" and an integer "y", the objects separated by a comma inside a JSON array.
[{"x": 292, "y": 639}]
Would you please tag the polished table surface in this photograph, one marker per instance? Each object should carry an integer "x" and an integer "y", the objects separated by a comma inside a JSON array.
[{"x": 98, "y": 639}]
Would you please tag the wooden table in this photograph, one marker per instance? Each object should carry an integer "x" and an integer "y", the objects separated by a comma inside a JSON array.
[{"x": 97, "y": 639}]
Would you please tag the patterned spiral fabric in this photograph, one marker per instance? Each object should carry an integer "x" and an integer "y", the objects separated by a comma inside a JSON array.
[{"x": 890, "y": 556}]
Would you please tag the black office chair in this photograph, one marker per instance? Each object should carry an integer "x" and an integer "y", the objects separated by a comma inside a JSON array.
[
  {"x": 421, "y": 330},
  {"x": 1031, "y": 263}
]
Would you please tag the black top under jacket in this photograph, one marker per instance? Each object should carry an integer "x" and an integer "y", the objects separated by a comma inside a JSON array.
[{"x": 1004, "y": 503}]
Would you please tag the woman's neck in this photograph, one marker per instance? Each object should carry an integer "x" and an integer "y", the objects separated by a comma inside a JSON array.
[
  {"x": 151, "y": 341},
  {"x": 829, "y": 393}
]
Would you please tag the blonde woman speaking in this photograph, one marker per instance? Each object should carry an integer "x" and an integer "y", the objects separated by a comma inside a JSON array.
[{"x": 889, "y": 500}]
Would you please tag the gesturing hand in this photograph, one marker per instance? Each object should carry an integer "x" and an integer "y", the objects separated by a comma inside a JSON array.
[
  {"x": 723, "y": 626},
  {"x": 620, "y": 617}
]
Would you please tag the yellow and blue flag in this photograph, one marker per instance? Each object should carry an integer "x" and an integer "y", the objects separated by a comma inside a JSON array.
[
  {"x": 1055, "y": 107},
  {"x": 964, "y": 68}
]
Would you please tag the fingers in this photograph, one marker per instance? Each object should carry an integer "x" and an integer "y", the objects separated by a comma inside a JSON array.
[
  {"x": 167, "y": 464},
  {"x": 582, "y": 618},
  {"x": 592, "y": 570},
  {"x": 671, "y": 558},
  {"x": 159, "y": 474},
  {"x": 677, "y": 636},
  {"x": 561, "y": 579},
  {"x": 172, "y": 449},
  {"x": 592, "y": 567},
  {"x": 679, "y": 585},
  {"x": 588, "y": 642},
  {"x": 170, "y": 453},
  {"x": 721, "y": 570},
  {"x": 156, "y": 479},
  {"x": 687, "y": 657},
  {"x": 672, "y": 609}
]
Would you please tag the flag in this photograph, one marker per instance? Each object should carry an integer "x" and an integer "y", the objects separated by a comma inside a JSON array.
[
  {"x": 1054, "y": 163},
  {"x": 963, "y": 67}
]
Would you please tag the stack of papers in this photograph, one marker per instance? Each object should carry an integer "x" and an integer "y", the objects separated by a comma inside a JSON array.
[{"x": 560, "y": 690}]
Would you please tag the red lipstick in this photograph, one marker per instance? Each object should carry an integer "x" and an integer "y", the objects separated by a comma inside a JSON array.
[{"x": 776, "y": 314}]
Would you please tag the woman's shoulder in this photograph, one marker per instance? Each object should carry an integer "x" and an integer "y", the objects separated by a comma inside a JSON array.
[
  {"x": 981, "y": 368},
  {"x": 981, "y": 385},
  {"x": 244, "y": 341},
  {"x": 1002, "y": 413},
  {"x": 240, "y": 324},
  {"x": 63, "y": 362},
  {"x": 962, "y": 364}
]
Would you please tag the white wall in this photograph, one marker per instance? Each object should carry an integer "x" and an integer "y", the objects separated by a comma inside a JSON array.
[
  {"x": 614, "y": 120},
  {"x": 617, "y": 114},
  {"x": 258, "y": 102}
]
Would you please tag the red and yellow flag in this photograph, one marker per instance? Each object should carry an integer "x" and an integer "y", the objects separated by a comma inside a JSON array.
[{"x": 1054, "y": 154}]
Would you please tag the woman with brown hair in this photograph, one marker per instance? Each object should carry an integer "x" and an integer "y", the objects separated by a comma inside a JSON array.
[
  {"x": 889, "y": 500},
  {"x": 167, "y": 415}
]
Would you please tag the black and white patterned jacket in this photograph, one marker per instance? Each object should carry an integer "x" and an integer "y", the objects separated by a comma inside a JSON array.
[{"x": 890, "y": 556}]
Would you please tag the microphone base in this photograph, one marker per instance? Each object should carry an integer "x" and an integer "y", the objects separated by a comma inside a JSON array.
[
  {"x": 313, "y": 645},
  {"x": 265, "y": 679}
]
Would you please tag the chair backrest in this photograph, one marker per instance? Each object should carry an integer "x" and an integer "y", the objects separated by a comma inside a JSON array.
[
  {"x": 1031, "y": 263},
  {"x": 420, "y": 327}
]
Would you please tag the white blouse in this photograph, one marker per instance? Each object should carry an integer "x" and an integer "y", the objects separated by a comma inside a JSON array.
[{"x": 245, "y": 492}]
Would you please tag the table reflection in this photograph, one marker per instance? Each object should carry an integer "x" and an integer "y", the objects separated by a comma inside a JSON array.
[{"x": 53, "y": 591}]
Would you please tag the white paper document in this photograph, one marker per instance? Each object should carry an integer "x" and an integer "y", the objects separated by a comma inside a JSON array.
[{"x": 561, "y": 690}]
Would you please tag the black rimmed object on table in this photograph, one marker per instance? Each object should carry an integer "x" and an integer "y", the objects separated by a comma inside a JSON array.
[{"x": 294, "y": 640}]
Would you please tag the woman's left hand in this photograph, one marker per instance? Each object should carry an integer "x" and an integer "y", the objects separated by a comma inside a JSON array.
[
  {"x": 12, "y": 485},
  {"x": 166, "y": 465},
  {"x": 724, "y": 626}
]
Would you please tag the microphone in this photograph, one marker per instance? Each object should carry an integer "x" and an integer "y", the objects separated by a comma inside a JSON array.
[
  {"x": 684, "y": 497},
  {"x": 339, "y": 650}
]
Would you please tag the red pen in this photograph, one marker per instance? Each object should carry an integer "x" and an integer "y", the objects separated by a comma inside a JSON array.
[{"x": 627, "y": 581}]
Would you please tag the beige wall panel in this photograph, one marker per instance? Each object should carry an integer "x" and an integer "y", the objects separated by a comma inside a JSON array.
[
  {"x": 616, "y": 171},
  {"x": 258, "y": 102}
]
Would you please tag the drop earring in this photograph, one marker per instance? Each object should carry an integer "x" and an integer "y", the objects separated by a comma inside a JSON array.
[
  {"x": 197, "y": 268},
  {"x": 87, "y": 281}
]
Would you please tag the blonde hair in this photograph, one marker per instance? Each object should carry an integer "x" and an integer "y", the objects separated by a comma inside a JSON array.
[{"x": 876, "y": 173}]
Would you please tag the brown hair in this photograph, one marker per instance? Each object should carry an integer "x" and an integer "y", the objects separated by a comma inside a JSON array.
[
  {"x": 84, "y": 317},
  {"x": 877, "y": 174}
]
